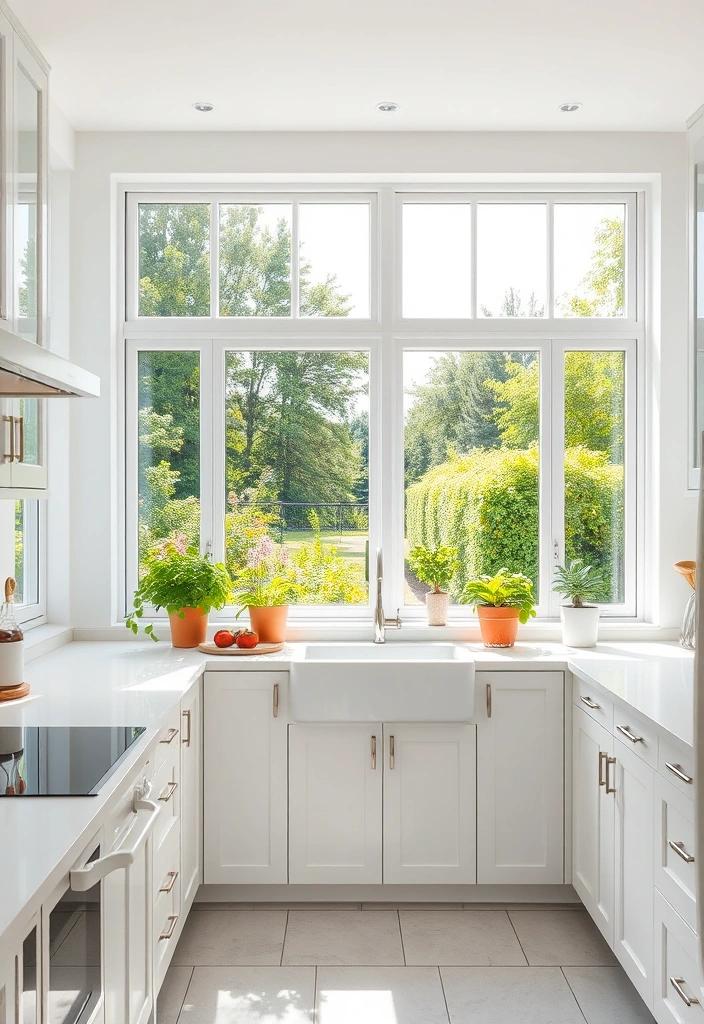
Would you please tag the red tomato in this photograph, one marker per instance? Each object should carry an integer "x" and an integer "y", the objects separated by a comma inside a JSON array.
[
  {"x": 247, "y": 639},
  {"x": 224, "y": 638}
]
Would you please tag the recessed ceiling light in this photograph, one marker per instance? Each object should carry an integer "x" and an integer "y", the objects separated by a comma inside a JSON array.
[
  {"x": 203, "y": 108},
  {"x": 569, "y": 108},
  {"x": 387, "y": 107}
]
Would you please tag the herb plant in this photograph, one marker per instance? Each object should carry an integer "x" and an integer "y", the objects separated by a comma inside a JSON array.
[
  {"x": 268, "y": 579},
  {"x": 505, "y": 590},
  {"x": 434, "y": 566},
  {"x": 578, "y": 582}
]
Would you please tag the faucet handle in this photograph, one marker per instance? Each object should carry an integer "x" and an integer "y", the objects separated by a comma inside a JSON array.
[{"x": 395, "y": 622}]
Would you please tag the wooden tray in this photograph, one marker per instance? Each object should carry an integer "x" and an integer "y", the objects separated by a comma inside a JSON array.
[
  {"x": 234, "y": 651},
  {"x": 15, "y": 692}
]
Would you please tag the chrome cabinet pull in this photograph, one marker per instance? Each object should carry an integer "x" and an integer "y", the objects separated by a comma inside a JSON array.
[
  {"x": 625, "y": 731},
  {"x": 167, "y": 934},
  {"x": 677, "y": 984},
  {"x": 488, "y": 700},
  {"x": 187, "y": 738},
  {"x": 679, "y": 771},
  {"x": 275, "y": 699},
  {"x": 170, "y": 736},
  {"x": 602, "y": 756},
  {"x": 19, "y": 422},
  {"x": 172, "y": 876},
  {"x": 373, "y": 753},
  {"x": 680, "y": 851},
  {"x": 590, "y": 703},
  {"x": 609, "y": 761},
  {"x": 11, "y": 454},
  {"x": 392, "y": 752},
  {"x": 169, "y": 792}
]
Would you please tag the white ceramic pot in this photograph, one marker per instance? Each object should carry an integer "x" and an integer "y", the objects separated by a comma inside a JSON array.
[
  {"x": 437, "y": 605},
  {"x": 11, "y": 664},
  {"x": 580, "y": 626}
]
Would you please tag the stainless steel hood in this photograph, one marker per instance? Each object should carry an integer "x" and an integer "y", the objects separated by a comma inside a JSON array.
[{"x": 30, "y": 371}]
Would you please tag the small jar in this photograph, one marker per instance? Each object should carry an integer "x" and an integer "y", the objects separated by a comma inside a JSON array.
[
  {"x": 688, "y": 636},
  {"x": 11, "y": 642}
]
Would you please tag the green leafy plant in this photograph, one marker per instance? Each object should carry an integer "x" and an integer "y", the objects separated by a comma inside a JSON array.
[
  {"x": 268, "y": 578},
  {"x": 504, "y": 590},
  {"x": 578, "y": 582},
  {"x": 175, "y": 577},
  {"x": 434, "y": 566}
]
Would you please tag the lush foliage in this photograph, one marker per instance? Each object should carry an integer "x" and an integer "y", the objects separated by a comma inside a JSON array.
[
  {"x": 504, "y": 590},
  {"x": 434, "y": 566},
  {"x": 578, "y": 582},
  {"x": 265, "y": 580}
]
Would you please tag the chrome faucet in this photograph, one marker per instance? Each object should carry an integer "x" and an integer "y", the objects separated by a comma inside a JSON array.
[{"x": 380, "y": 621}]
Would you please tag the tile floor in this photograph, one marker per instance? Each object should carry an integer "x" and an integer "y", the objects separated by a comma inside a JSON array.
[{"x": 406, "y": 964}]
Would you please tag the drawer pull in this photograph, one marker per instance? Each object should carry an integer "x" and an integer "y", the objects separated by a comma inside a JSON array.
[
  {"x": 392, "y": 753},
  {"x": 167, "y": 934},
  {"x": 187, "y": 738},
  {"x": 275, "y": 698},
  {"x": 169, "y": 792},
  {"x": 373, "y": 753},
  {"x": 609, "y": 787},
  {"x": 680, "y": 851},
  {"x": 602, "y": 757},
  {"x": 679, "y": 771},
  {"x": 590, "y": 703},
  {"x": 170, "y": 736},
  {"x": 172, "y": 876},
  {"x": 625, "y": 731},
  {"x": 488, "y": 700},
  {"x": 677, "y": 984}
]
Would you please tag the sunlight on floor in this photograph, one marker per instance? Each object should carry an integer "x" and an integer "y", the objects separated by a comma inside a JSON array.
[
  {"x": 286, "y": 1006},
  {"x": 355, "y": 1006}
]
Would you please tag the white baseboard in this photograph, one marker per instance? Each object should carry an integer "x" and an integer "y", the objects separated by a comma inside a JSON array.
[{"x": 386, "y": 894}]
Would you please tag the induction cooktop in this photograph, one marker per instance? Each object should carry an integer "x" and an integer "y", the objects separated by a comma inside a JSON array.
[{"x": 57, "y": 760}]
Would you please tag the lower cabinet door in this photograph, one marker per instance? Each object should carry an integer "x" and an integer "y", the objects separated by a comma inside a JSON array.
[
  {"x": 679, "y": 996},
  {"x": 335, "y": 774},
  {"x": 191, "y": 793},
  {"x": 430, "y": 804}
]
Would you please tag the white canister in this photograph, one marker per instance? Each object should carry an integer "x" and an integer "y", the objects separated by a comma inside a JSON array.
[
  {"x": 11, "y": 664},
  {"x": 580, "y": 626}
]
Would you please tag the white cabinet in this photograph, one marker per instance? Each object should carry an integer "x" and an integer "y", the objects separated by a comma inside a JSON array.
[
  {"x": 429, "y": 804},
  {"x": 679, "y": 997},
  {"x": 20, "y": 978},
  {"x": 335, "y": 774},
  {"x": 593, "y": 820},
  {"x": 191, "y": 790},
  {"x": 674, "y": 861},
  {"x": 520, "y": 778},
  {"x": 245, "y": 805}
]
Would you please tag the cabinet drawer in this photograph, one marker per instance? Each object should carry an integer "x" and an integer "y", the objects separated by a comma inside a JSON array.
[
  {"x": 636, "y": 734},
  {"x": 598, "y": 707},
  {"x": 166, "y": 931},
  {"x": 677, "y": 982},
  {"x": 168, "y": 739},
  {"x": 166, "y": 791},
  {"x": 167, "y": 860},
  {"x": 677, "y": 767},
  {"x": 675, "y": 868}
]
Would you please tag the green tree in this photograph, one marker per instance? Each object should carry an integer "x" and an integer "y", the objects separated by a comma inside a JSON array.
[
  {"x": 174, "y": 259},
  {"x": 512, "y": 305},
  {"x": 602, "y": 289}
]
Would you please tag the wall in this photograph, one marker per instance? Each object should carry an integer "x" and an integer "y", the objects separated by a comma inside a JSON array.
[{"x": 103, "y": 159}]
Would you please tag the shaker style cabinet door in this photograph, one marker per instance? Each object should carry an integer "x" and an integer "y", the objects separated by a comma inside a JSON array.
[
  {"x": 191, "y": 790},
  {"x": 245, "y": 777},
  {"x": 335, "y": 774},
  {"x": 520, "y": 778}
]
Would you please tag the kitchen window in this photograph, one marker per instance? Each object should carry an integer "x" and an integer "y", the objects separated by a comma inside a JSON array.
[{"x": 339, "y": 371}]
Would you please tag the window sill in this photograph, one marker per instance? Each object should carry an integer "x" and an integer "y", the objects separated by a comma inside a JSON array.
[{"x": 42, "y": 639}]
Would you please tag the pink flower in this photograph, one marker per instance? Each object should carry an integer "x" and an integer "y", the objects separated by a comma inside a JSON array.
[{"x": 180, "y": 542}]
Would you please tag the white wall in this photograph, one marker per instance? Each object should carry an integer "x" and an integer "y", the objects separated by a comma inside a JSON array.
[{"x": 104, "y": 159}]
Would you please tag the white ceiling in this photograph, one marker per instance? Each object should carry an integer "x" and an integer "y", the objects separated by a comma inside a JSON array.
[{"x": 324, "y": 64}]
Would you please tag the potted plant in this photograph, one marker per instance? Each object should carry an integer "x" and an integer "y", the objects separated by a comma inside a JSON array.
[
  {"x": 580, "y": 621},
  {"x": 501, "y": 602},
  {"x": 265, "y": 586},
  {"x": 185, "y": 583},
  {"x": 436, "y": 567}
]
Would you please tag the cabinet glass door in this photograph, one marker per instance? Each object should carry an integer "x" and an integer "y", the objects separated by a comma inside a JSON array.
[{"x": 26, "y": 226}]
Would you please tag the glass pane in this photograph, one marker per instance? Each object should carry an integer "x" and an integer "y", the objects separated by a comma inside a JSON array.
[
  {"x": 471, "y": 444},
  {"x": 174, "y": 259},
  {"x": 25, "y": 229},
  {"x": 334, "y": 259},
  {"x": 297, "y": 472},
  {"x": 437, "y": 260},
  {"x": 511, "y": 259},
  {"x": 74, "y": 956},
  {"x": 30, "y": 980},
  {"x": 26, "y": 570},
  {"x": 169, "y": 448},
  {"x": 255, "y": 260},
  {"x": 589, "y": 259},
  {"x": 595, "y": 385},
  {"x": 29, "y": 413}
]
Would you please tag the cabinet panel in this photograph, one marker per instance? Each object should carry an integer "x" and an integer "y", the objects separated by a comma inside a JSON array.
[
  {"x": 245, "y": 804},
  {"x": 335, "y": 774},
  {"x": 520, "y": 778},
  {"x": 675, "y": 867},
  {"x": 678, "y": 979},
  {"x": 191, "y": 790},
  {"x": 429, "y": 804}
]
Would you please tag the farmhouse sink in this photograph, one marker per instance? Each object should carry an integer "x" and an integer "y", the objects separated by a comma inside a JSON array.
[{"x": 392, "y": 682}]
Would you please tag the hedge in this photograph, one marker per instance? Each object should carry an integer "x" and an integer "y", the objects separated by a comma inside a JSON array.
[{"x": 485, "y": 504}]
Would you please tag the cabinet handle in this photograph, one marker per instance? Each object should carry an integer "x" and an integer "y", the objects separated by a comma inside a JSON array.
[
  {"x": 167, "y": 934},
  {"x": 680, "y": 851},
  {"x": 170, "y": 736},
  {"x": 172, "y": 876},
  {"x": 373, "y": 753},
  {"x": 275, "y": 699},
  {"x": 19, "y": 422},
  {"x": 169, "y": 792},
  {"x": 590, "y": 703},
  {"x": 609, "y": 788},
  {"x": 187, "y": 738},
  {"x": 679, "y": 771},
  {"x": 11, "y": 454},
  {"x": 488, "y": 700},
  {"x": 625, "y": 731},
  {"x": 677, "y": 984},
  {"x": 602, "y": 757},
  {"x": 392, "y": 752}
]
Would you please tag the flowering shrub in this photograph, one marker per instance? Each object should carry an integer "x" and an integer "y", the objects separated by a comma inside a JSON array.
[{"x": 266, "y": 579}]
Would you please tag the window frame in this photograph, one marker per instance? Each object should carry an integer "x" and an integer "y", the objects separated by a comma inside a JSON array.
[{"x": 34, "y": 614}]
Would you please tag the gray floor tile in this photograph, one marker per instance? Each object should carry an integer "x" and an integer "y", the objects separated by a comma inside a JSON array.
[
  {"x": 465, "y": 938},
  {"x": 250, "y": 995},
  {"x": 606, "y": 996},
  {"x": 509, "y": 995},
  {"x": 310, "y": 905},
  {"x": 343, "y": 938},
  {"x": 411, "y": 906},
  {"x": 556, "y": 939},
  {"x": 222, "y": 938},
  {"x": 379, "y": 995},
  {"x": 172, "y": 994},
  {"x": 82, "y": 943}
]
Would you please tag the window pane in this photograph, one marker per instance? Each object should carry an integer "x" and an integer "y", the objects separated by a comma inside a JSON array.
[
  {"x": 334, "y": 259},
  {"x": 174, "y": 259},
  {"x": 437, "y": 246},
  {"x": 511, "y": 259},
  {"x": 594, "y": 466},
  {"x": 26, "y": 570},
  {"x": 169, "y": 448},
  {"x": 589, "y": 259},
  {"x": 255, "y": 259},
  {"x": 297, "y": 471},
  {"x": 471, "y": 444},
  {"x": 29, "y": 411},
  {"x": 25, "y": 232}
]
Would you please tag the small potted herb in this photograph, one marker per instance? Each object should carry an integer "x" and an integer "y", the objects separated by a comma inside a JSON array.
[
  {"x": 436, "y": 567},
  {"x": 184, "y": 582},
  {"x": 265, "y": 586},
  {"x": 580, "y": 621},
  {"x": 501, "y": 602}
]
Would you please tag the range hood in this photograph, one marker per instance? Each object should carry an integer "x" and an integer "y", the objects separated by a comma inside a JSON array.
[{"x": 30, "y": 371}]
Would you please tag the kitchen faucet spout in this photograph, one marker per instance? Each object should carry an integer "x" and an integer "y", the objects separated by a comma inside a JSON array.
[{"x": 380, "y": 620}]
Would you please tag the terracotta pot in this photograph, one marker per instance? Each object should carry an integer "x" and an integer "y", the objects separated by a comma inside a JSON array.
[
  {"x": 188, "y": 631},
  {"x": 437, "y": 603},
  {"x": 269, "y": 623},
  {"x": 499, "y": 626}
]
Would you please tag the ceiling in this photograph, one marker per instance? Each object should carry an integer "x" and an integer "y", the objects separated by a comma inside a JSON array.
[{"x": 325, "y": 64}]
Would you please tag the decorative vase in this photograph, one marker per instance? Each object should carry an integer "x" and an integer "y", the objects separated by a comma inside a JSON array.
[
  {"x": 580, "y": 626},
  {"x": 269, "y": 622},
  {"x": 499, "y": 626},
  {"x": 188, "y": 631},
  {"x": 437, "y": 603}
]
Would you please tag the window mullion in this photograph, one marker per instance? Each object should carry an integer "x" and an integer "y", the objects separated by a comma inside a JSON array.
[
  {"x": 473, "y": 259},
  {"x": 550, "y": 227},
  {"x": 212, "y": 447},
  {"x": 295, "y": 261},
  {"x": 556, "y": 454},
  {"x": 214, "y": 259}
]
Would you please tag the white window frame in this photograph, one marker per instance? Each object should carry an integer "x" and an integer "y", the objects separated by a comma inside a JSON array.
[
  {"x": 34, "y": 552},
  {"x": 385, "y": 335}
]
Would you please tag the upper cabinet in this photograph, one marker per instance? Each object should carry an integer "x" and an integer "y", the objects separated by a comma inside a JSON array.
[{"x": 696, "y": 285}]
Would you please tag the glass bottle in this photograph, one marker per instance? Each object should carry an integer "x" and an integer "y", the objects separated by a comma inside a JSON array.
[
  {"x": 688, "y": 634},
  {"x": 11, "y": 641}
]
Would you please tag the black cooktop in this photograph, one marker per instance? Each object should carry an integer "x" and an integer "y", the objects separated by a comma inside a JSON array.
[{"x": 56, "y": 760}]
